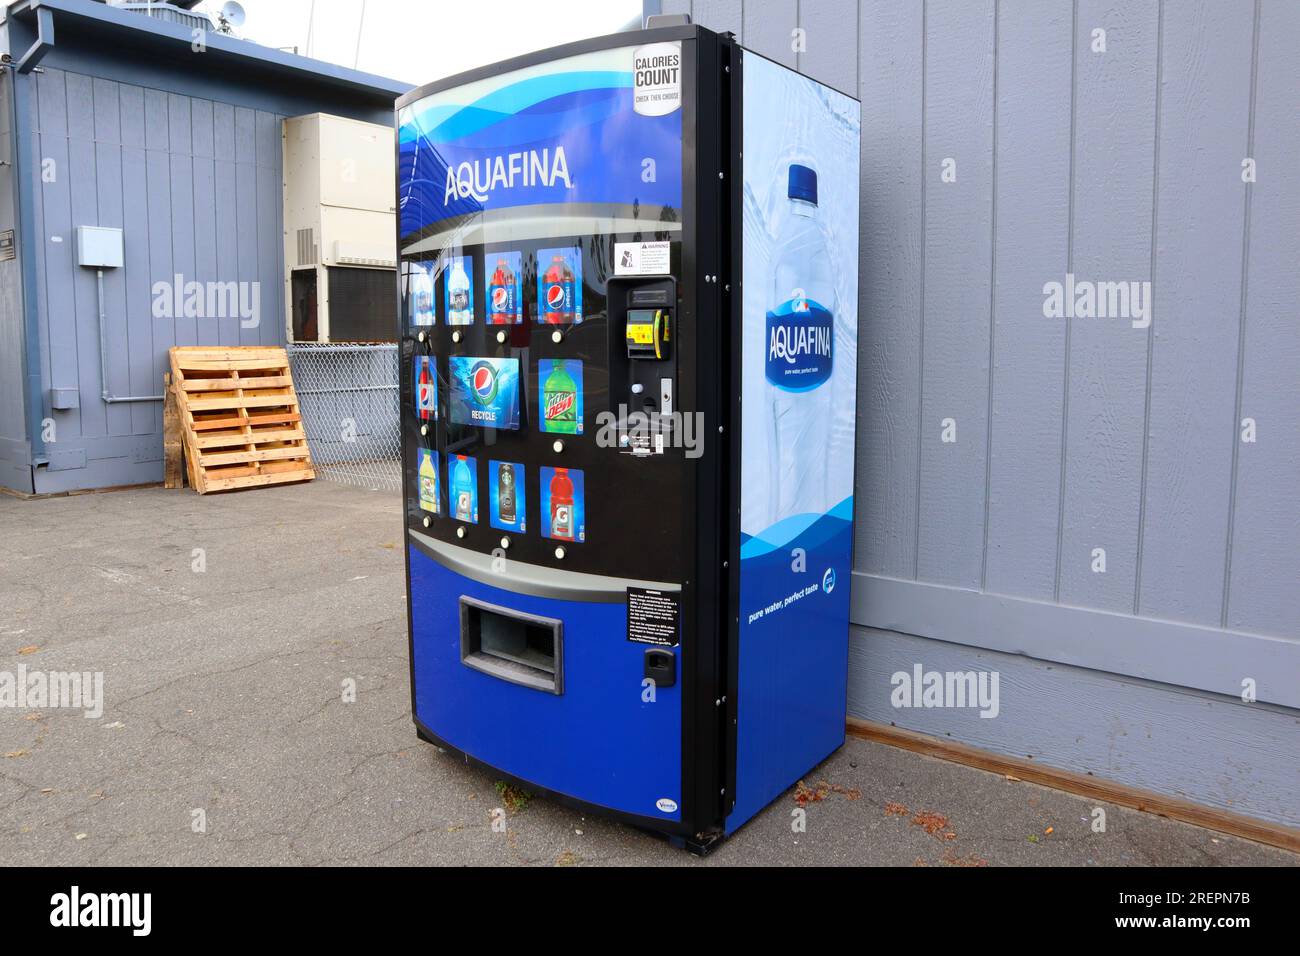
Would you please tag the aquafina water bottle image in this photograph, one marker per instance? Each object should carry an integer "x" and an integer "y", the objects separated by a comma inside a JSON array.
[{"x": 799, "y": 339}]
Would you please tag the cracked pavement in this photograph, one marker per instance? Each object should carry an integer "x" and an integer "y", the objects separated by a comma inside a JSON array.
[{"x": 223, "y": 693}]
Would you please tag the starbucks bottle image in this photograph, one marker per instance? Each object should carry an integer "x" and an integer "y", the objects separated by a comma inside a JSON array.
[
  {"x": 560, "y": 401},
  {"x": 506, "y": 492}
]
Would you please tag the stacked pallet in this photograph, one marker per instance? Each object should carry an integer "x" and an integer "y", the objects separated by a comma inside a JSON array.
[{"x": 238, "y": 416}]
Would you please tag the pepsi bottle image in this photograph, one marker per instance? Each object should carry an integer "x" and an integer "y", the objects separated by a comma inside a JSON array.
[
  {"x": 501, "y": 295},
  {"x": 557, "y": 288},
  {"x": 506, "y": 492},
  {"x": 799, "y": 344}
]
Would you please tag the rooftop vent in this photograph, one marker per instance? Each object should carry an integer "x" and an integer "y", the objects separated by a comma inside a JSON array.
[{"x": 169, "y": 13}]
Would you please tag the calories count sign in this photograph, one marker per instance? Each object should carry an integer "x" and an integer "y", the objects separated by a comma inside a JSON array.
[{"x": 657, "y": 78}]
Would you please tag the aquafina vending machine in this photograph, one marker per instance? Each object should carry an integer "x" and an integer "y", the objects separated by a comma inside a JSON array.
[{"x": 629, "y": 314}]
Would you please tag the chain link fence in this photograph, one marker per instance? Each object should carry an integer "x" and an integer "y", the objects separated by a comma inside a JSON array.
[{"x": 349, "y": 397}]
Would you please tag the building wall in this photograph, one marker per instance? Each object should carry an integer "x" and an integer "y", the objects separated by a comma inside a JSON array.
[
  {"x": 14, "y": 470},
  {"x": 1076, "y": 434},
  {"x": 195, "y": 186}
]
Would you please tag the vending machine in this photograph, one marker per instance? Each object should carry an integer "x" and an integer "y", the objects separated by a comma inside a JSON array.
[{"x": 628, "y": 296}]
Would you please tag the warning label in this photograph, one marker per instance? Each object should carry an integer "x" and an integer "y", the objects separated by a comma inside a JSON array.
[{"x": 652, "y": 616}]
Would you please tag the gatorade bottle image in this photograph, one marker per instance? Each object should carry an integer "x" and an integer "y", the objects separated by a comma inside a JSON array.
[
  {"x": 462, "y": 489},
  {"x": 428, "y": 481},
  {"x": 460, "y": 308},
  {"x": 560, "y": 401},
  {"x": 798, "y": 355},
  {"x": 506, "y": 492},
  {"x": 502, "y": 295},
  {"x": 421, "y": 296},
  {"x": 561, "y": 505},
  {"x": 425, "y": 394},
  {"x": 557, "y": 288}
]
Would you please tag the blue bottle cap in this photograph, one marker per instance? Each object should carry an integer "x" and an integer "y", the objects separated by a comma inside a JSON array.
[{"x": 803, "y": 183}]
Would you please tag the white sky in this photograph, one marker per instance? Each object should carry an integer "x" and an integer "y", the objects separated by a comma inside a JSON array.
[{"x": 422, "y": 40}]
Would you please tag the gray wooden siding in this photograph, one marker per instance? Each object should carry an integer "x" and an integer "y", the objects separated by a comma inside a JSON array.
[
  {"x": 1084, "y": 433},
  {"x": 195, "y": 187}
]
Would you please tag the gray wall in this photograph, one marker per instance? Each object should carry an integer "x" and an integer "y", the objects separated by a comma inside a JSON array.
[
  {"x": 1084, "y": 433},
  {"x": 14, "y": 472},
  {"x": 195, "y": 186}
]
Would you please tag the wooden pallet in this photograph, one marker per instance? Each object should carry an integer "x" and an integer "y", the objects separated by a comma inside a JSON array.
[{"x": 239, "y": 417}]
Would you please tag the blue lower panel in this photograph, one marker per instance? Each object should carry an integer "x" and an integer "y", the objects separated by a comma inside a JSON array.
[
  {"x": 598, "y": 741},
  {"x": 793, "y": 663}
]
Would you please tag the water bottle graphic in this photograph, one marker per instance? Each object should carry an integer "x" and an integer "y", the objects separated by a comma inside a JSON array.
[
  {"x": 799, "y": 342},
  {"x": 460, "y": 306},
  {"x": 421, "y": 296}
]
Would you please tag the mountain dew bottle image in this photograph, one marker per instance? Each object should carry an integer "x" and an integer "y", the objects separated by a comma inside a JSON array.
[
  {"x": 462, "y": 489},
  {"x": 559, "y": 401},
  {"x": 799, "y": 346}
]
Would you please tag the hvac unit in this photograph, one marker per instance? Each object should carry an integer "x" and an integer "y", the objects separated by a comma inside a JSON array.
[{"x": 339, "y": 246}]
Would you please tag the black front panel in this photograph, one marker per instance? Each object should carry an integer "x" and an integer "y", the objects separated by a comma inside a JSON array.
[{"x": 631, "y": 522}]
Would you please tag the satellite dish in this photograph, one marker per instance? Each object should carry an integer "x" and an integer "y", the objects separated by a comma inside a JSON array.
[{"x": 232, "y": 15}]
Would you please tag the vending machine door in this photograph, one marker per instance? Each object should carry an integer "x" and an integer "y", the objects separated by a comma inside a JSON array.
[{"x": 562, "y": 506}]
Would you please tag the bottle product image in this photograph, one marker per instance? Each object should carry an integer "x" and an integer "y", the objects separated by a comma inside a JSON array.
[
  {"x": 426, "y": 391},
  {"x": 462, "y": 489},
  {"x": 557, "y": 307},
  {"x": 799, "y": 340},
  {"x": 428, "y": 480},
  {"x": 560, "y": 399},
  {"x": 506, "y": 492},
  {"x": 460, "y": 304},
  {"x": 420, "y": 295},
  {"x": 503, "y": 295},
  {"x": 561, "y": 505}
]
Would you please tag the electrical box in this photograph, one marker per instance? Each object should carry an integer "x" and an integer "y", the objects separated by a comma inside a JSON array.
[{"x": 99, "y": 247}]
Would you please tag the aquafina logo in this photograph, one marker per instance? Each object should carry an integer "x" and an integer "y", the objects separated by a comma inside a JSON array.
[{"x": 800, "y": 336}]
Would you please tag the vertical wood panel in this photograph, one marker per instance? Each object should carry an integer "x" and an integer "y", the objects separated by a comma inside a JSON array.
[
  {"x": 159, "y": 200},
  {"x": 246, "y": 233},
  {"x": 137, "y": 270},
  {"x": 190, "y": 330},
  {"x": 1033, "y": 198},
  {"x": 1113, "y": 179},
  {"x": 1265, "y": 549},
  {"x": 832, "y": 39},
  {"x": 1204, "y": 120},
  {"x": 58, "y": 246},
  {"x": 206, "y": 202},
  {"x": 80, "y": 173},
  {"x": 108, "y": 165},
  {"x": 270, "y": 240},
  {"x": 890, "y": 282},
  {"x": 135, "y": 215},
  {"x": 769, "y": 27},
  {"x": 955, "y": 347}
]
